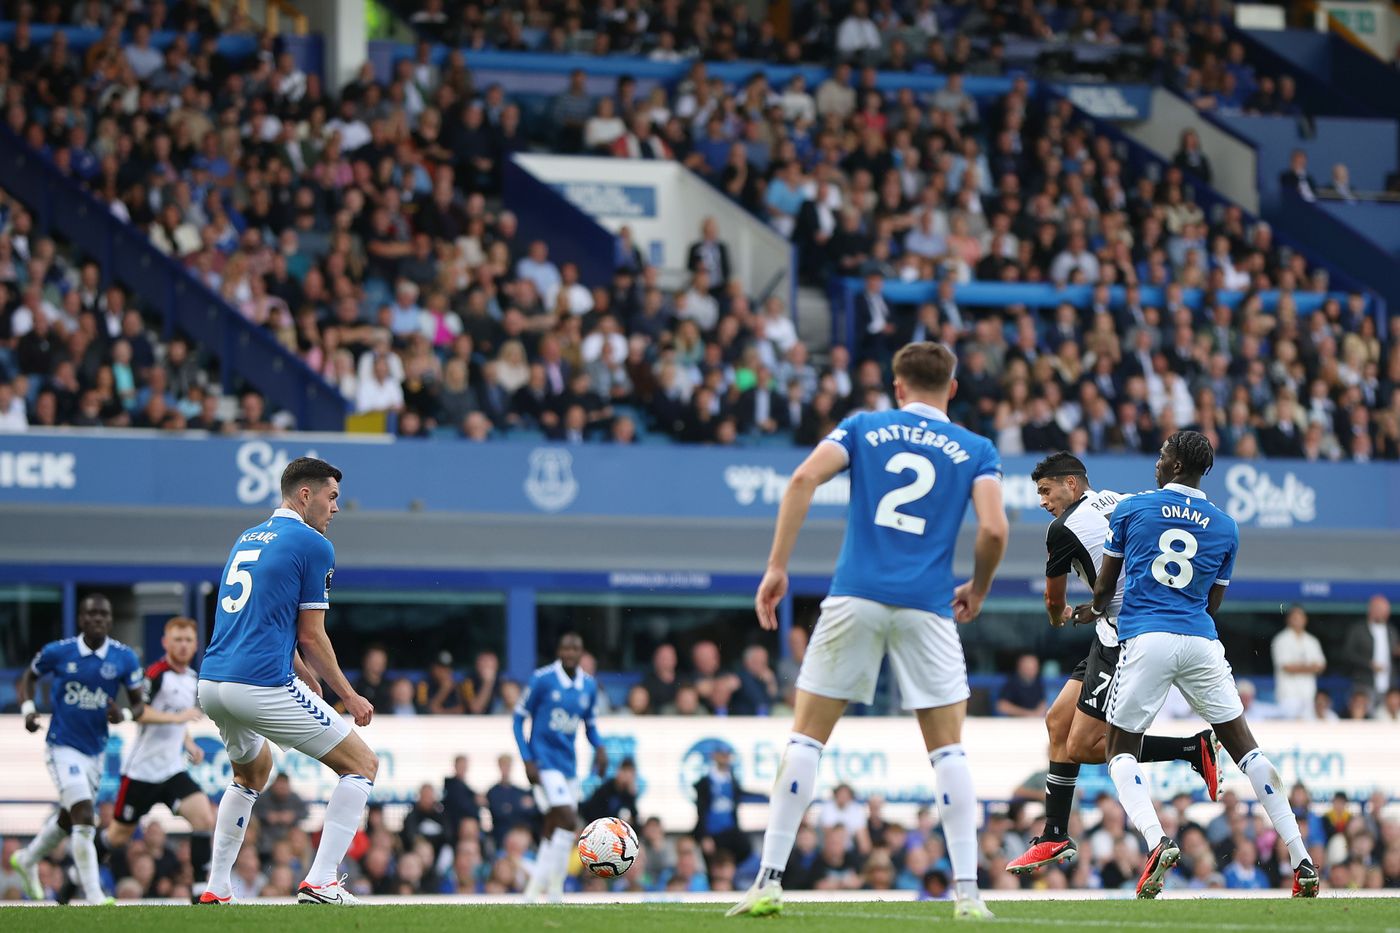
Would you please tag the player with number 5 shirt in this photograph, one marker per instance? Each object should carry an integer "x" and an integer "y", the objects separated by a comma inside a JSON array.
[{"x": 912, "y": 473}]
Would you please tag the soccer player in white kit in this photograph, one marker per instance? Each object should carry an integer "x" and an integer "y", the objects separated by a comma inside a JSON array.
[
  {"x": 155, "y": 770},
  {"x": 255, "y": 686},
  {"x": 913, "y": 474}
]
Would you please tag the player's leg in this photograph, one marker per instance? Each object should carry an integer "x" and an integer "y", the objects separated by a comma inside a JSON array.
[
  {"x": 357, "y": 766},
  {"x": 1054, "y": 844},
  {"x": 842, "y": 665},
  {"x": 1146, "y": 666},
  {"x": 926, "y": 657},
  {"x": 194, "y": 807},
  {"x": 562, "y": 840},
  {"x": 539, "y": 873},
  {"x": 1209, "y": 686},
  {"x": 78, "y": 776},
  {"x": 251, "y": 761}
]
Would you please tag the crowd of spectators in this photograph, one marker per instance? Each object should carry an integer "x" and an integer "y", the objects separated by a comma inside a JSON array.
[
  {"x": 362, "y": 228},
  {"x": 455, "y": 839}
]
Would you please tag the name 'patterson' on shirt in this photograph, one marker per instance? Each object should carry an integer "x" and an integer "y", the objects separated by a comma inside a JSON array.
[{"x": 914, "y": 434}]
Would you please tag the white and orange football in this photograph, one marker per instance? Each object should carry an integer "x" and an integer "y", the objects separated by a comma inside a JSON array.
[{"x": 608, "y": 847}]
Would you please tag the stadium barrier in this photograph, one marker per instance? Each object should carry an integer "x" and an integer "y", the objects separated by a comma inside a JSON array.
[
  {"x": 152, "y": 470},
  {"x": 883, "y": 756},
  {"x": 1234, "y": 163}
]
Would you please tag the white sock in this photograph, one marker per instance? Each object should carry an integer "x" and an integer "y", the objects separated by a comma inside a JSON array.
[
  {"x": 539, "y": 874},
  {"x": 561, "y": 849},
  {"x": 1132, "y": 793},
  {"x": 1268, "y": 787},
  {"x": 343, "y": 812},
  {"x": 792, "y": 795},
  {"x": 48, "y": 837},
  {"x": 85, "y": 860},
  {"x": 957, "y": 810},
  {"x": 229, "y": 826}
]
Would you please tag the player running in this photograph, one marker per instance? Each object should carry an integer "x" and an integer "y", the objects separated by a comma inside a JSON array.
[
  {"x": 912, "y": 475},
  {"x": 88, "y": 673},
  {"x": 1176, "y": 550},
  {"x": 558, "y": 697},
  {"x": 155, "y": 770},
  {"x": 1076, "y": 720},
  {"x": 255, "y": 686}
]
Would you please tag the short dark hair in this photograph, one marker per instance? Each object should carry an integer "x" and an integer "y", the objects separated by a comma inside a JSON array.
[
  {"x": 1193, "y": 452},
  {"x": 307, "y": 471},
  {"x": 1059, "y": 465},
  {"x": 925, "y": 365}
]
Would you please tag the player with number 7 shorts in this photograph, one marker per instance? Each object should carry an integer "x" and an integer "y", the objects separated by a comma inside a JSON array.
[
  {"x": 1077, "y": 720},
  {"x": 913, "y": 474},
  {"x": 255, "y": 686}
]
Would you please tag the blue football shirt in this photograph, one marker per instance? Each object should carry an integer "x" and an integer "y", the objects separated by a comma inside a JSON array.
[
  {"x": 274, "y": 571},
  {"x": 555, "y": 706},
  {"x": 84, "y": 682},
  {"x": 911, "y": 473},
  {"x": 1176, "y": 545}
]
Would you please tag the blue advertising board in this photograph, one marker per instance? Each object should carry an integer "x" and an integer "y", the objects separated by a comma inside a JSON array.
[{"x": 600, "y": 480}]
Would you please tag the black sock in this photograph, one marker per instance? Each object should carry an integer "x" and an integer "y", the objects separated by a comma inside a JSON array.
[
  {"x": 99, "y": 842},
  {"x": 1168, "y": 748},
  {"x": 1059, "y": 798},
  {"x": 201, "y": 851}
]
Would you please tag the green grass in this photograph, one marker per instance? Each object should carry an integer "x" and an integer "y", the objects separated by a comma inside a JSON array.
[{"x": 1324, "y": 915}]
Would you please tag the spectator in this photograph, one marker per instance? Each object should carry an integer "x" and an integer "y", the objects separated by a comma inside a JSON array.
[
  {"x": 279, "y": 810},
  {"x": 1298, "y": 659},
  {"x": 1191, "y": 158},
  {"x": 1255, "y": 707},
  {"x": 459, "y": 801},
  {"x": 1340, "y": 188},
  {"x": 369, "y": 683},
  {"x": 13, "y": 417},
  {"x": 857, "y": 36},
  {"x": 1371, "y": 650},
  {"x": 845, "y": 811},
  {"x": 440, "y": 693},
  {"x": 1296, "y": 177},
  {"x": 510, "y": 806},
  {"x": 660, "y": 682},
  {"x": 1389, "y": 708},
  {"x": 711, "y": 254},
  {"x": 758, "y": 685},
  {"x": 426, "y": 821},
  {"x": 401, "y": 698},
  {"x": 484, "y": 684},
  {"x": 617, "y": 796},
  {"x": 1023, "y": 694},
  {"x": 717, "y": 799}
]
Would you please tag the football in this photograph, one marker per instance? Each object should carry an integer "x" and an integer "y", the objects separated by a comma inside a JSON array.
[{"x": 608, "y": 847}]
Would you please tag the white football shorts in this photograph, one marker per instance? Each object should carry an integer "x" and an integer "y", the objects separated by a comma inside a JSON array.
[
  {"x": 76, "y": 774},
  {"x": 290, "y": 715},
  {"x": 1151, "y": 662},
  {"x": 853, "y": 635},
  {"x": 555, "y": 790}
]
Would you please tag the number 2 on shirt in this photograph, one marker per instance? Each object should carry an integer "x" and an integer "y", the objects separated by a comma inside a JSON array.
[{"x": 887, "y": 513}]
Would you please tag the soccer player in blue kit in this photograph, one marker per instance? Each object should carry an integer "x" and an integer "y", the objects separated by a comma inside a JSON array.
[
  {"x": 256, "y": 686},
  {"x": 88, "y": 673},
  {"x": 912, "y": 475},
  {"x": 557, "y": 699},
  {"x": 1176, "y": 551}
]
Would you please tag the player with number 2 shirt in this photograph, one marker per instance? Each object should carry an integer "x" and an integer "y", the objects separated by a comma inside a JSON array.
[{"x": 912, "y": 475}]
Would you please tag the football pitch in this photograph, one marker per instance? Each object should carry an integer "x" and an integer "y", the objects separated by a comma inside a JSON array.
[{"x": 1325, "y": 915}]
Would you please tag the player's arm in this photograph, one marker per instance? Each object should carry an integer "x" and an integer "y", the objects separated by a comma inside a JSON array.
[
  {"x": 307, "y": 675},
  {"x": 318, "y": 652},
  {"x": 828, "y": 459},
  {"x": 524, "y": 709},
  {"x": 135, "y": 698},
  {"x": 1055, "y": 606},
  {"x": 1222, "y": 579},
  {"x": 1216, "y": 597},
  {"x": 993, "y": 532},
  {"x": 590, "y": 729},
  {"x": 155, "y": 717},
  {"x": 1104, "y": 588},
  {"x": 24, "y": 692}
]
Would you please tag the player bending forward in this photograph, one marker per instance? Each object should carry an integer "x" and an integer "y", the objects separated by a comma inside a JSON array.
[
  {"x": 255, "y": 686},
  {"x": 558, "y": 697},
  {"x": 1076, "y": 720},
  {"x": 912, "y": 474},
  {"x": 1176, "y": 551},
  {"x": 88, "y": 672},
  {"x": 155, "y": 770}
]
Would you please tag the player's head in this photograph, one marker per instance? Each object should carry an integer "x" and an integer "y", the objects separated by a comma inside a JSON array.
[
  {"x": 95, "y": 617},
  {"x": 1060, "y": 479},
  {"x": 311, "y": 488},
  {"x": 1186, "y": 457},
  {"x": 924, "y": 372},
  {"x": 570, "y": 650},
  {"x": 181, "y": 640}
]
